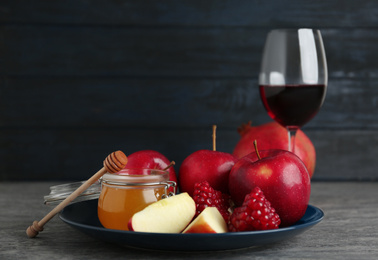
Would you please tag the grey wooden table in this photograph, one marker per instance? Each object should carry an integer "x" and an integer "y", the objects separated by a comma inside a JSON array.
[{"x": 349, "y": 229}]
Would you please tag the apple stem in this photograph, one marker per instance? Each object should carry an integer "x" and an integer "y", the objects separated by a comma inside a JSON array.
[
  {"x": 256, "y": 150},
  {"x": 169, "y": 166},
  {"x": 214, "y": 137}
]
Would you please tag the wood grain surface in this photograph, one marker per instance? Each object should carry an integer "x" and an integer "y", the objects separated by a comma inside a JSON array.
[{"x": 348, "y": 230}]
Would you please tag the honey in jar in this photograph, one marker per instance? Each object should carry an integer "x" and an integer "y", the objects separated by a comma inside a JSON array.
[{"x": 129, "y": 191}]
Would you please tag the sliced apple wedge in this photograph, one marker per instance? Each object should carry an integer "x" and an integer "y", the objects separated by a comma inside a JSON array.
[
  {"x": 170, "y": 215},
  {"x": 209, "y": 221}
]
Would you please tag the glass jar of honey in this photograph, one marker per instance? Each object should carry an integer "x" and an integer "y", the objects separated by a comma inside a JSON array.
[{"x": 129, "y": 191}]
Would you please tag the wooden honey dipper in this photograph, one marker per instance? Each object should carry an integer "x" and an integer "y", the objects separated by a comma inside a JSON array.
[{"x": 115, "y": 162}]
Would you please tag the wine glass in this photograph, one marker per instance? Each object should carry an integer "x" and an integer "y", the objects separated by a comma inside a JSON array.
[{"x": 293, "y": 77}]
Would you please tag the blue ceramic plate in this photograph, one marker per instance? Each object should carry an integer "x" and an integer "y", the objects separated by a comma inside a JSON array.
[{"x": 83, "y": 216}]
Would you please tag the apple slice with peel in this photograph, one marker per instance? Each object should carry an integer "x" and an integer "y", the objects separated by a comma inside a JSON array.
[
  {"x": 170, "y": 215},
  {"x": 208, "y": 221}
]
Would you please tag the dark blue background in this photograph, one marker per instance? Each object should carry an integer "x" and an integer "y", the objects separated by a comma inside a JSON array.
[{"x": 80, "y": 79}]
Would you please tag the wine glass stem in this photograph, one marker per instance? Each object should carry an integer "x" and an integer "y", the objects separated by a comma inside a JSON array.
[{"x": 291, "y": 131}]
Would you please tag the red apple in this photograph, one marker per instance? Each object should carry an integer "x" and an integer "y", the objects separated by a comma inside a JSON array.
[
  {"x": 282, "y": 177},
  {"x": 206, "y": 165},
  {"x": 274, "y": 136},
  {"x": 209, "y": 221},
  {"x": 150, "y": 159},
  {"x": 170, "y": 215}
]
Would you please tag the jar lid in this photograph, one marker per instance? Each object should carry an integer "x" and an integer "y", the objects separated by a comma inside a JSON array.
[{"x": 58, "y": 193}]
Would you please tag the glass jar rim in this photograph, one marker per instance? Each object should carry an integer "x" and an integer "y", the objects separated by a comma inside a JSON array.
[{"x": 137, "y": 176}]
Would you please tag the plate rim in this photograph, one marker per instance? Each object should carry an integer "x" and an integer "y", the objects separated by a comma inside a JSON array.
[{"x": 315, "y": 218}]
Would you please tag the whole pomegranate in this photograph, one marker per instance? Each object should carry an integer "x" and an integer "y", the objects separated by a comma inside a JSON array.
[{"x": 274, "y": 136}]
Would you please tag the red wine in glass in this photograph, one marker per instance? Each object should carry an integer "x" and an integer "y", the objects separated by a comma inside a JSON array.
[
  {"x": 292, "y": 105},
  {"x": 293, "y": 77}
]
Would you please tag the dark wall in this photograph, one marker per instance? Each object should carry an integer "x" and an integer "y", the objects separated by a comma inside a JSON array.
[{"x": 80, "y": 79}]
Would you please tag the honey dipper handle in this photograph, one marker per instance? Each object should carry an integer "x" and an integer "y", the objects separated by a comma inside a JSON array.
[
  {"x": 115, "y": 162},
  {"x": 37, "y": 227}
]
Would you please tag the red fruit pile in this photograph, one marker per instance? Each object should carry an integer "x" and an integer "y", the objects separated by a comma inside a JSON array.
[
  {"x": 256, "y": 213},
  {"x": 205, "y": 196}
]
